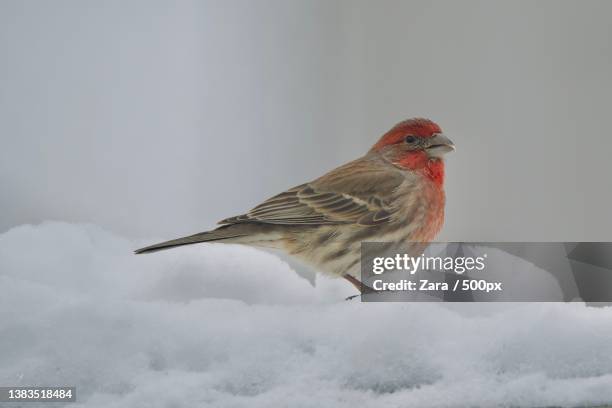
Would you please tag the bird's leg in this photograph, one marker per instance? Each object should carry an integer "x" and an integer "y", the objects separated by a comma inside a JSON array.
[{"x": 361, "y": 287}]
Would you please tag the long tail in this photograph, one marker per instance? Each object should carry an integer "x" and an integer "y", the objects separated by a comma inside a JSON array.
[{"x": 226, "y": 232}]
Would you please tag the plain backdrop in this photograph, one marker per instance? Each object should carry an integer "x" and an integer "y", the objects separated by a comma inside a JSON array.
[{"x": 158, "y": 118}]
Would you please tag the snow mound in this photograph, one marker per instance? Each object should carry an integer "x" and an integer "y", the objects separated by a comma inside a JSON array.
[{"x": 230, "y": 326}]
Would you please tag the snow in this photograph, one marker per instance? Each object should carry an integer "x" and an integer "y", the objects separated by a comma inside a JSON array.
[{"x": 230, "y": 326}]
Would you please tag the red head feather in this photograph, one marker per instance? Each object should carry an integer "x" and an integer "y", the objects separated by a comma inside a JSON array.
[
  {"x": 416, "y": 160},
  {"x": 418, "y": 127}
]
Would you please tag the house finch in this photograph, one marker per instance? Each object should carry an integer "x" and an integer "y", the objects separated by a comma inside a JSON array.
[{"x": 393, "y": 194}]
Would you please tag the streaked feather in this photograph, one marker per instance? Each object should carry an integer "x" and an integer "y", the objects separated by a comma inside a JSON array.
[{"x": 355, "y": 193}]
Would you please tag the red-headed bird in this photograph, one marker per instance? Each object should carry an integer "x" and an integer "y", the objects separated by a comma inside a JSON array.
[{"x": 395, "y": 193}]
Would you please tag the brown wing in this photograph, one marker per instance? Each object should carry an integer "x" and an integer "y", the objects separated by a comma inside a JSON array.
[{"x": 353, "y": 193}]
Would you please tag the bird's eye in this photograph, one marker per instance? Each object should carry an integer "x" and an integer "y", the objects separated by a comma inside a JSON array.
[{"x": 410, "y": 139}]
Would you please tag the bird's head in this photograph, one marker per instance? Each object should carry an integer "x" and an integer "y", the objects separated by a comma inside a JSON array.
[{"x": 416, "y": 144}]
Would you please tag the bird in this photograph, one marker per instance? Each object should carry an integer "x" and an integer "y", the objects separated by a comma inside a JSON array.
[{"x": 394, "y": 193}]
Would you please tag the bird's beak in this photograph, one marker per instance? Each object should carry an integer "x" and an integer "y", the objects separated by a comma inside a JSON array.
[{"x": 439, "y": 145}]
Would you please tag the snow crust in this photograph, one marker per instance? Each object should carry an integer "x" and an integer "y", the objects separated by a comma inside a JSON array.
[{"x": 230, "y": 326}]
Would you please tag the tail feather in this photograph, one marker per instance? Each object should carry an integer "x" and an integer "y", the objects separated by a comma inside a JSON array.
[{"x": 219, "y": 234}]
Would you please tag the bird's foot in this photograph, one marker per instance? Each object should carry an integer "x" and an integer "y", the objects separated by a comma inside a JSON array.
[{"x": 366, "y": 290}]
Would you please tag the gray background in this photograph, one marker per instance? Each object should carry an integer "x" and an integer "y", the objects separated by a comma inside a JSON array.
[{"x": 157, "y": 118}]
